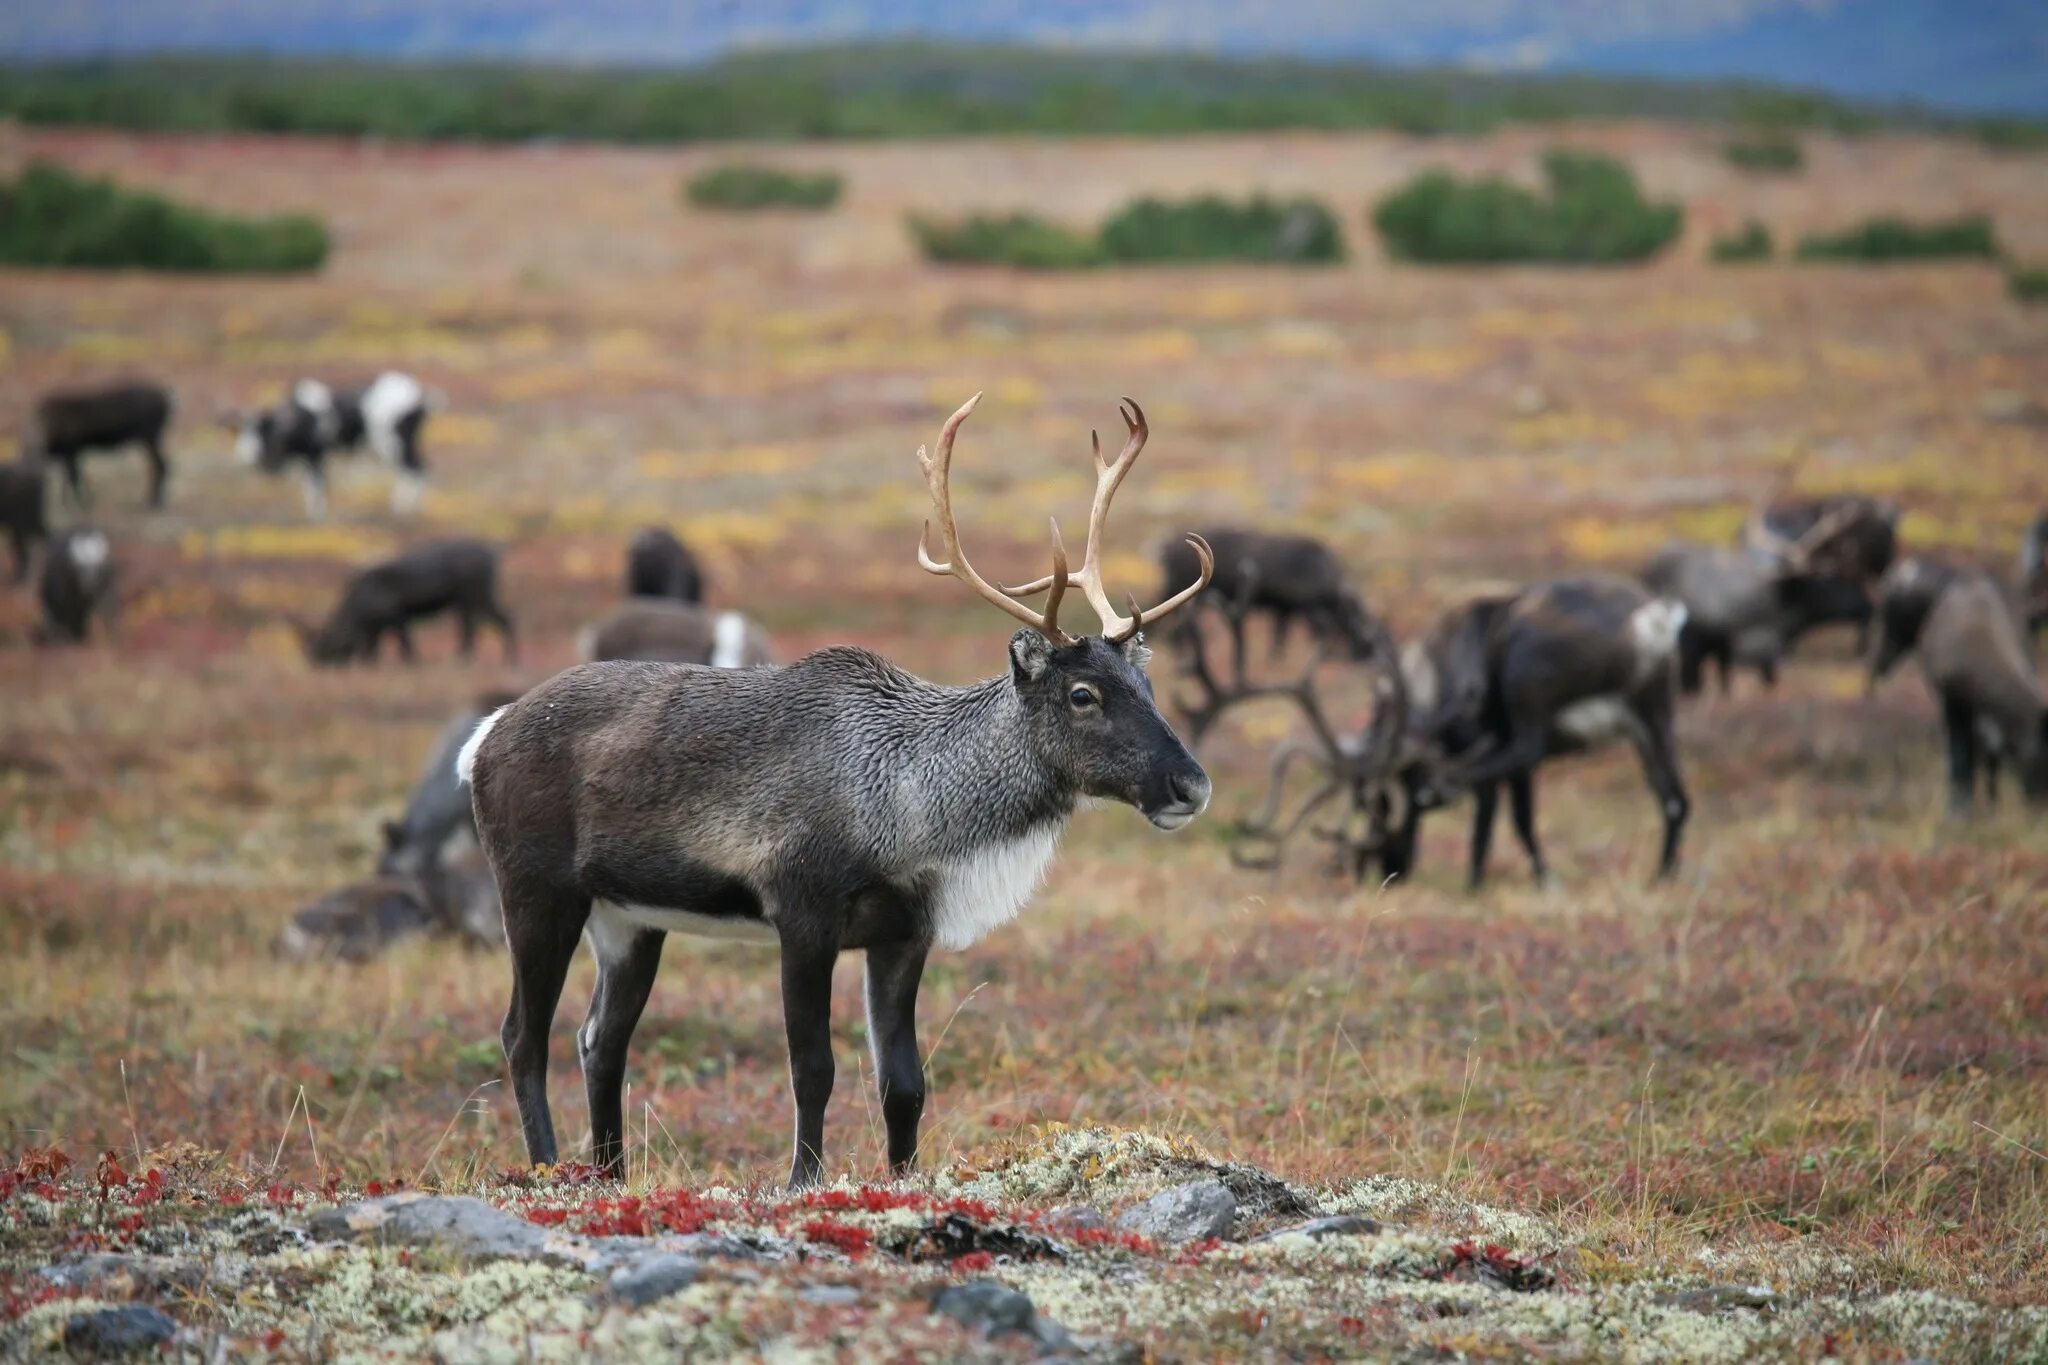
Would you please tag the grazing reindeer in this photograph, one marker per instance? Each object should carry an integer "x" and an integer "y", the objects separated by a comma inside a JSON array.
[
  {"x": 459, "y": 575},
  {"x": 1863, "y": 541},
  {"x": 659, "y": 565},
  {"x": 74, "y": 423},
  {"x": 439, "y": 809},
  {"x": 23, "y": 510},
  {"x": 317, "y": 421},
  {"x": 355, "y": 923},
  {"x": 1750, "y": 605},
  {"x": 77, "y": 583},
  {"x": 1971, "y": 651},
  {"x": 1503, "y": 683},
  {"x": 661, "y": 631},
  {"x": 2034, "y": 575},
  {"x": 1280, "y": 576},
  {"x": 834, "y": 804}
]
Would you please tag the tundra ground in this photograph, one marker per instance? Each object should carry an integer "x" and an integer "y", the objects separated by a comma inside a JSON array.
[{"x": 1817, "y": 1061}]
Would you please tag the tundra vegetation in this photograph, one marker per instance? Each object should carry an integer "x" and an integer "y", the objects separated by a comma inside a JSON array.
[
  {"x": 1590, "y": 212},
  {"x": 1752, "y": 243},
  {"x": 52, "y": 217},
  {"x": 1901, "y": 239},
  {"x": 1777, "y": 153},
  {"x": 1205, "y": 229},
  {"x": 1813, "y": 1062},
  {"x": 747, "y": 186}
]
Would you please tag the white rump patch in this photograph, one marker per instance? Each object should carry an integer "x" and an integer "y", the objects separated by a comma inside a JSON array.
[
  {"x": 611, "y": 925},
  {"x": 89, "y": 551},
  {"x": 1654, "y": 627},
  {"x": 1597, "y": 719},
  {"x": 385, "y": 404},
  {"x": 314, "y": 396},
  {"x": 465, "y": 760},
  {"x": 729, "y": 640},
  {"x": 984, "y": 890}
]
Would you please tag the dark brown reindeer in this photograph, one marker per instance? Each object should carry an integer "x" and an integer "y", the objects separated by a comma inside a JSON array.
[
  {"x": 834, "y": 804},
  {"x": 657, "y": 630},
  {"x": 659, "y": 565},
  {"x": 459, "y": 575},
  {"x": 77, "y": 584},
  {"x": 72, "y": 423},
  {"x": 24, "y": 510},
  {"x": 1504, "y": 683},
  {"x": 1283, "y": 577},
  {"x": 2034, "y": 575},
  {"x": 1972, "y": 653}
]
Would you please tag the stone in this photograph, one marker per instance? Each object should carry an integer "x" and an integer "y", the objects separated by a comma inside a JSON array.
[
  {"x": 127, "y": 1273},
  {"x": 650, "y": 1278},
  {"x": 128, "y": 1330},
  {"x": 466, "y": 1227},
  {"x": 830, "y": 1295},
  {"x": 1075, "y": 1218},
  {"x": 1192, "y": 1212},
  {"x": 1719, "y": 1298},
  {"x": 1316, "y": 1229},
  {"x": 986, "y": 1305}
]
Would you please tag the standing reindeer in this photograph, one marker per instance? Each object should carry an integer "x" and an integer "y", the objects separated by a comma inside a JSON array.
[
  {"x": 1975, "y": 661},
  {"x": 1504, "y": 683},
  {"x": 2034, "y": 575},
  {"x": 835, "y": 804}
]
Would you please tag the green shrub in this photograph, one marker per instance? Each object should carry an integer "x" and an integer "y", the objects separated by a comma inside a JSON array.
[
  {"x": 2028, "y": 283},
  {"x": 745, "y": 186},
  {"x": 1292, "y": 231},
  {"x": 1592, "y": 213},
  {"x": 1753, "y": 243},
  {"x": 1765, "y": 152},
  {"x": 1019, "y": 239},
  {"x": 1894, "y": 239},
  {"x": 50, "y": 217}
]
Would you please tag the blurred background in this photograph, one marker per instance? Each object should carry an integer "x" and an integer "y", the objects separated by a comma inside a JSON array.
[{"x": 1473, "y": 293}]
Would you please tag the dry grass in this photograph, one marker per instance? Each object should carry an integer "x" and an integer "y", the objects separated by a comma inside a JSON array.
[{"x": 1828, "y": 1034}]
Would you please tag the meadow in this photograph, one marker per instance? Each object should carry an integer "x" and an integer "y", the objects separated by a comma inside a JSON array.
[{"x": 1817, "y": 1061}]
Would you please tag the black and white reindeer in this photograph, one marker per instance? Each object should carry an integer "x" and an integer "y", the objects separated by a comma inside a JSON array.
[
  {"x": 73, "y": 423},
  {"x": 834, "y": 804},
  {"x": 318, "y": 420},
  {"x": 1973, "y": 655},
  {"x": 1506, "y": 682},
  {"x": 77, "y": 584},
  {"x": 458, "y": 574},
  {"x": 660, "y": 565}
]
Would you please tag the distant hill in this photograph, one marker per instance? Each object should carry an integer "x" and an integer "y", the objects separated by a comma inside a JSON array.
[
  {"x": 900, "y": 90},
  {"x": 1981, "y": 55}
]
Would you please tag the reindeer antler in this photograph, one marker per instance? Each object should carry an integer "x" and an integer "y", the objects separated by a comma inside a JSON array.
[
  {"x": 1115, "y": 625},
  {"x": 938, "y": 470}
]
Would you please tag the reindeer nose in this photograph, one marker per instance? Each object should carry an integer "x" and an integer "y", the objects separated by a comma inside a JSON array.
[{"x": 1191, "y": 790}]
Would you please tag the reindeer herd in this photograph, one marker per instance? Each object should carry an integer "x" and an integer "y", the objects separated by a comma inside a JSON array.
[{"x": 838, "y": 803}]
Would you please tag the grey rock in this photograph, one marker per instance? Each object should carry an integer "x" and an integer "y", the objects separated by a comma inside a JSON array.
[
  {"x": 1075, "y": 1218},
  {"x": 650, "y": 1278},
  {"x": 1316, "y": 1229},
  {"x": 128, "y": 1271},
  {"x": 466, "y": 1227},
  {"x": 1185, "y": 1213},
  {"x": 128, "y": 1330},
  {"x": 1719, "y": 1298},
  {"x": 993, "y": 1308},
  {"x": 830, "y": 1295}
]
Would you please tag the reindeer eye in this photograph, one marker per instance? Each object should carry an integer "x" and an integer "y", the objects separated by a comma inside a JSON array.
[{"x": 1081, "y": 698}]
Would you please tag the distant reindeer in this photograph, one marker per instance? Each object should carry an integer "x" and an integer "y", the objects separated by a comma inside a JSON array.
[
  {"x": 656, "y": 630},
  {"x": 2034, "y": 575},
  {"x": 77, "y": 584},
  {"x": 355, "y": 923},
  {"x": 1504, "y": 683},
  {"x": 23, "y": 511},
  {"x": 835, "y": 804},
  {"x": 659, "y": 565},
  {"x": 317, "y": 421},
  {"x": 1975, "y": 661},
  {"x": 1750, "y": 605},
  {"x": 459, "y": 575},
  {"x": 1282, "y": 577},
  {"x": 73, "y": 423},
  {"x": 438, "y": 812}
]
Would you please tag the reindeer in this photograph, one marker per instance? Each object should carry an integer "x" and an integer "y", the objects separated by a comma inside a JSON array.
[
  {"x": 458, "y": 574},
  {"x": 834, "y": 804},
  {"x": 454, "y": 898},
  {"x": 438, "y": 812},
  {"x": 1284, "y": 577},
  {"x": 658, "y": 630},
  {"x": 2034, "y": 575},
  {"x": 1974, "y": 659},
  {"x": 23, "y": 511},
  {"x": 77, "y": 583},
  {"x": 1506, "y": 682},
  {"x": 73, "y": 423},
  {"x": 659, "y": 565},
  {"x": 1751, "y": 604},
  {"x": 317, "y": 421}
]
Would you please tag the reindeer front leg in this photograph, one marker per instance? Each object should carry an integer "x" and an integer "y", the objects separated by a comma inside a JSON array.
[
  {"x": 893, "y": 975},
  {"x": 807, "y": 1019}
]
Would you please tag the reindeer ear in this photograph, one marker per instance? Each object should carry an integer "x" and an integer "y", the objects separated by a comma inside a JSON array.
[
  {"x": 1030, "y": 655},
  {"x": 1136, "y": 652}
]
